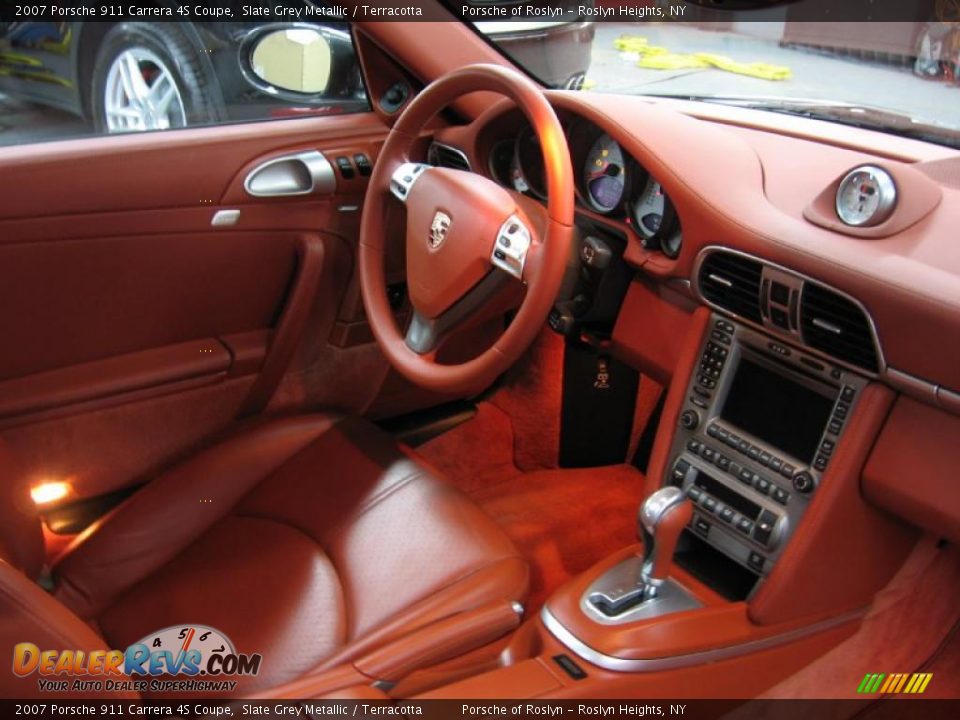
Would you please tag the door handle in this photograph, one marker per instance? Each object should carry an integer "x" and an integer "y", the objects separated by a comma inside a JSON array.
[{"x": 302, "y": 173}]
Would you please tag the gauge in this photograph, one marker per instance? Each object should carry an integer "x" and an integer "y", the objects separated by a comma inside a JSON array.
[
  {"x": 866, "y": 196},
  {"x": 655, "y": 220},
  {"x": 648, "y": 209},
  {"x": 501, "y": 162},
  {"x": 604, "y": 175},
  {"x": 527, "y": 174}
]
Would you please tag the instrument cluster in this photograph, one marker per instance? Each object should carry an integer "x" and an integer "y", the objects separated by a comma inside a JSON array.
[{"x": 609, "y": 182}]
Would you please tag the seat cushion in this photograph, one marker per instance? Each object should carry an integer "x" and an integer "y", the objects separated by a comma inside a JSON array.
[{"x": 310, "y": 540}]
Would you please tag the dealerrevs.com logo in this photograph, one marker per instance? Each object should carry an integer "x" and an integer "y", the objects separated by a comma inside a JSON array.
[{"x": 191, "y": 658}]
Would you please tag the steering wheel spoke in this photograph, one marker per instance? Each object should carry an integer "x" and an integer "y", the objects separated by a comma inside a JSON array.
[
  {"x": 510, "y": 250},
  {"x": 404, "y": 177},
  {"x": 424, "y": 334}
]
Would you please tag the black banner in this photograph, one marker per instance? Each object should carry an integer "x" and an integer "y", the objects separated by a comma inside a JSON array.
[
  {"x": 481, "y": 10},
  {"x": 875, "y": 709}
]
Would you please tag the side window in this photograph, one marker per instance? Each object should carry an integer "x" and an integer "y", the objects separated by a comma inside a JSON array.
[{"x": 73, "y": 79}]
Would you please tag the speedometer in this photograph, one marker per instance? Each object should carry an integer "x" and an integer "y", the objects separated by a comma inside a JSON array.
[{"x": 604, "y": 175}]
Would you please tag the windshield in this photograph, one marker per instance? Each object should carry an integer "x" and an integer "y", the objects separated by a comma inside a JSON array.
[{"x": 901, "y": 77}]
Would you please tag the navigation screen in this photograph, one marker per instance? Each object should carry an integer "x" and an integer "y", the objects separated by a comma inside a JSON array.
[{"x": 777, "y": 410}]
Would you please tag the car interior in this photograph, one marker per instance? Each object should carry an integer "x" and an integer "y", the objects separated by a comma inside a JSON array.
[{"x": 339, "y": 387}]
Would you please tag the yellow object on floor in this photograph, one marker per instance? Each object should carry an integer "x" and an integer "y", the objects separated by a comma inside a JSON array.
[
  {"x": 761, "y": 70},
  {"x": 670, "y": 61},
  {"x": 654, "y": 57}
]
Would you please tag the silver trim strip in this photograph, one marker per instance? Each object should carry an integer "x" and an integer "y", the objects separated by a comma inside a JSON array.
[
  {"x": 774, "y": 331},
  {"x": 827, "y": 327},
  {"x": 225, "y": 218},
  {"x": 721, "y": 280},
  {"x": 618, "y": 664}
]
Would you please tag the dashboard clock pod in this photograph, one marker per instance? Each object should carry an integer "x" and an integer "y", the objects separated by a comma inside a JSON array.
[{"x": 866, "y": 196}]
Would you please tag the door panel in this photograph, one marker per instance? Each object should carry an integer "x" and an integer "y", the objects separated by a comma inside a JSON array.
[{"x": 134, "y": 330}]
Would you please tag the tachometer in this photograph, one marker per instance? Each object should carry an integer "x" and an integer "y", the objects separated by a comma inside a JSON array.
[
  {"x": 527, "y": 175},
  {"x": 604, "y": 175}
]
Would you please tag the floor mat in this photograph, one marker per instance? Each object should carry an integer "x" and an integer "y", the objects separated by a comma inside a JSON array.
[{"x": 563, "y": 521}]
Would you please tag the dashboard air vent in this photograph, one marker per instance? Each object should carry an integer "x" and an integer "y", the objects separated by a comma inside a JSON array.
[
  {"x": 448, "y": 157},
  {"x": 837, "y": 326},
  {"x": 732, "y": 282}
]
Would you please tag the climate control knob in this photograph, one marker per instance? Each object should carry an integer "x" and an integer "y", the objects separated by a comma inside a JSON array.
[
  {"x": 689, "y": 420},
  {"x": 803, "y": 482}
]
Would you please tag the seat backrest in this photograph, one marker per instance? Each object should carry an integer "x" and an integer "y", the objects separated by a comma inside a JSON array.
[{"x": 21, "y": 539}]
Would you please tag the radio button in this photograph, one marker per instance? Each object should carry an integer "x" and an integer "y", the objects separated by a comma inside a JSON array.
[
  {"x": 765, "y": 458},
  {"x": 753, "y": 452},
  {"x": 732, "y": 441},
  {"x": 781, "y": 495},
  {"x": 694, "y": 493},
  {"x": 689, "y": 420},
  {"x": 761, "y": 485},
  {"x": 713, "y": 431},
  {"x": 743, "y": 446},
  {"x": 834, "y": 427},
  {"x": 764, "y": 528},
  {"x": 787, "y": 471},
  {"x": 775, "y": 464},
  {"x": 827, "y": 446},
  {"x": 803, "y": 482},
  {"x": 746, "y": 476},
  {"x": 755, "y": 561}
]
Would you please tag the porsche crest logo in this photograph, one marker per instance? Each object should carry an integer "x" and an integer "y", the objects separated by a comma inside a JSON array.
[{"x": 438, "y": 229}]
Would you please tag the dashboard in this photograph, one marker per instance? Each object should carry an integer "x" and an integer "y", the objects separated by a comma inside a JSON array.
[
  {"x": 767, "y": 186},
  {"x": 610, "y": 182},
  {"x": 823, "y": 252}
]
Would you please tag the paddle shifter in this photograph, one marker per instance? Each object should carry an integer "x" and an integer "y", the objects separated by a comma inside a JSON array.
[{"x": 662, "y": 518}]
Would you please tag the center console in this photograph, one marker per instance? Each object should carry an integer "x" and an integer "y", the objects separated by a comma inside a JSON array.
[{"x": 759, "y": 425}]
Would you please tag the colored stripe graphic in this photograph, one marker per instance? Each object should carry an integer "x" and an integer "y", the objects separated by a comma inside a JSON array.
[{"x": 895, "y": 683}]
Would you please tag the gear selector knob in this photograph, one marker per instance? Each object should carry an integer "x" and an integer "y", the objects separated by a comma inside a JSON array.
[{"x": 662, "y": 518}]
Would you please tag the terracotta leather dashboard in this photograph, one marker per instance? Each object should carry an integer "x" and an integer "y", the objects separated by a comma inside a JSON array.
[{"x": 747, "y": 188}]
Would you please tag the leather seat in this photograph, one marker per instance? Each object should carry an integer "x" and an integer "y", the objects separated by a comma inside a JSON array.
[{"x": 312, "y": 540}]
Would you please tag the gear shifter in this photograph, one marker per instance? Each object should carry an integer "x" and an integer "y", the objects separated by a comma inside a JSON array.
[
  {"x": 639, "y": 586},
  {"x": 662, "y": 518}
]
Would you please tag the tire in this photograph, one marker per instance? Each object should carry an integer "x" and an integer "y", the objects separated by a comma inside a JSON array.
[{"x": 162, "y": 52}]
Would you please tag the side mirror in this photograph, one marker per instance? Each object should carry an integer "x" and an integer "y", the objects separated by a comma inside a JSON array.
[{"x": 295, "y": 59}]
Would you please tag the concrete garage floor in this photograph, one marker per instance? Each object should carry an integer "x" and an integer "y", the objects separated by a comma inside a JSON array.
[
  {"x": 814, "y": 75},
  {"x": 23, "y": 122}
]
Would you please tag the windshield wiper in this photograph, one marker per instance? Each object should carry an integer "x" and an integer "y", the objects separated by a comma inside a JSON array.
[{"x": 862, "y": 116}]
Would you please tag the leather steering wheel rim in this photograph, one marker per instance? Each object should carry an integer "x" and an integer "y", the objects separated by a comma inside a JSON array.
[{"x": 480, "y": 202}]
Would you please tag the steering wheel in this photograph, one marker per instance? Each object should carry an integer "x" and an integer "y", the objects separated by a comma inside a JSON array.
[{"x": 466, "y": 237}]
